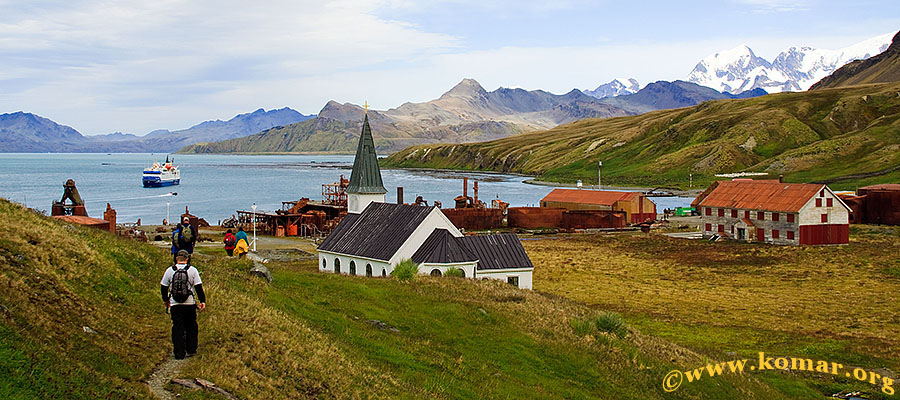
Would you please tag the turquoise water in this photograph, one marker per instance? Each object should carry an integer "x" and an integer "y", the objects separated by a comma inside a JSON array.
[{"x": 214, "y": 186}]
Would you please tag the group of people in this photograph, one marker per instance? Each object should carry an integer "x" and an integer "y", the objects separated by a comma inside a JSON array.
[
  {"x": 182, "y": 289},
  {"x": 237, "y": 244}
]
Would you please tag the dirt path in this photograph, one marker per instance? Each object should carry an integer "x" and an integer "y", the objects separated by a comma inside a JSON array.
[{"x": 162, "y": 376}]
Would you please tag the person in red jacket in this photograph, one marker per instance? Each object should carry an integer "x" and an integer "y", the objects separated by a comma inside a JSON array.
[{"x": 230, "y": 242}]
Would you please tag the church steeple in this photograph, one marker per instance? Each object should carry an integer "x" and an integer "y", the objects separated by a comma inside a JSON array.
[{"x": 365, "y": 179}]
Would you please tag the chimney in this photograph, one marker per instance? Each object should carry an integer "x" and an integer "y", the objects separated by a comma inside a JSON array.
[
  {"x": 399, "y": 194},
  {"x": 110, "y": 216},
  {"x": 475, "y": 192},
  {"x": 465, "y": 187},
  {"x": 781, "y": 178}
]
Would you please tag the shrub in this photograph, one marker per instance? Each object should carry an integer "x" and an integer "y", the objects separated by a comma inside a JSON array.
[
  {"x": 612, "y": 323},
  {"x": 455, "y": 272},
  {"x": 406, "y": 270}
]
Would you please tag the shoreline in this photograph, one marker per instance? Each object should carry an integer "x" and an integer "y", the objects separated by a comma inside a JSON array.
[{"x": 674, "y": 192}]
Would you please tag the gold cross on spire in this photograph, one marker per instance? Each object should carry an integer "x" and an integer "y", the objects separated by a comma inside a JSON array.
[{"x": 366, "y": 105}]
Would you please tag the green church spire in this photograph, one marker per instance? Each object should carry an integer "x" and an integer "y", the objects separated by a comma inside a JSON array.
[{"x": 366, "y": 176}]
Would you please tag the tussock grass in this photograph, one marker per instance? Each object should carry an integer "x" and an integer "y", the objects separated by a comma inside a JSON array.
[
  {"x": 405, "y": 270},
  {"x": 454, "y": 272}
]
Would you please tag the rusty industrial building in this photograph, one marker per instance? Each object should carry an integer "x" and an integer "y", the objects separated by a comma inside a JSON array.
[
  {"x": 303, "y": 217},
  {"x": 71, "y": 209},
  {"x": 876, "y": 204},
  {"x": 772, "y": 211},
  {"x": 636, "y": 206}
]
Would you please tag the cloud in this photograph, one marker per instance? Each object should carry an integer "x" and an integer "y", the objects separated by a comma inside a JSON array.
[{"x": 105, "y": 55}]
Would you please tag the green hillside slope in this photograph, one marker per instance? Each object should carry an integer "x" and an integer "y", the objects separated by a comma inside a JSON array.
[
  {"x": 308, "y": 334},
  {"x": 848, "y": 135}
]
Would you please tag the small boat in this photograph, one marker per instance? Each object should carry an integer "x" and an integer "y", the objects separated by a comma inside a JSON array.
[{"x": 162, "y": 175}]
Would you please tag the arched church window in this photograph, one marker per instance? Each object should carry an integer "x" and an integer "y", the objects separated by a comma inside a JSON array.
[
  {"x": 337, "y": 265},
  {"x": 352, "y": 267},
  {"x": 368, "y": 269}
]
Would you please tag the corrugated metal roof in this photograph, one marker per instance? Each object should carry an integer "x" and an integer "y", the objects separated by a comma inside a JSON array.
[
  {"x": 769, "y": 195},
  {"x": 602, "y": 197},
  {"x": 443, "y": 248},
  {"x": 366, "y": 176},
  {"x": 497, "y": 251},
  {"x": 377, "y": 232},
  {"x": 886, "y": 186}
]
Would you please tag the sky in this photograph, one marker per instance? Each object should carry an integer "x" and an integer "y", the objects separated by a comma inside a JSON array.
[{"x": 103, "y": 66}]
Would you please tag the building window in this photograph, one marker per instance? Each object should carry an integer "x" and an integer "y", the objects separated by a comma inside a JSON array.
[
  {"x": 790, "y": 218},
  {"x": 721, "y": 212},
  {"x": 822, "y": 193},
  {"x": 435, "y": 272},
  {"x": 732, "y": 229},
  {"x": 337, "y": 265},
  {"x": 513, "y": 280},
  {"x": 721, "y": 228},
  {"x": 790, "y": 235},
  {"x": 352, "y": 267},
  {"x": 747, "y": 214},
  {"x": 818, "y": 202},
  {"x": 829, "y": 202},
  {"x": 775, "y": 216},
  {"x": 708, "y": 211},
  {"x": 733, "y": 213},
  {"x": 760, "y": 235},
  {"x": 384, "y": 272},
  {"x": 463, "y": 272},
  {"x": 708, "y": 227},
  {"x": 775, "y": 234},
  {"x": 761, "y": 215},
  {"x": 824, "y": 218},
  {"x": 368, "y": 269},
  {"x": 324, "y": 263}
]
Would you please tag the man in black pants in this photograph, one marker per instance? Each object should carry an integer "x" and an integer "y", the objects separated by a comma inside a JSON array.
[{"x": 184, "y": 314}]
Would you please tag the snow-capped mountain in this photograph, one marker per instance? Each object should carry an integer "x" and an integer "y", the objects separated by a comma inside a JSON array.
[
  {"x": 794, "y": 69},
  {"x": 615, "y": 88}
]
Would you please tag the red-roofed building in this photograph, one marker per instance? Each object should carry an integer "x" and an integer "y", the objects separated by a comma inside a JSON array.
[
  {"x": 637, "y": 207},
  {"x": 773, "y": 212}
]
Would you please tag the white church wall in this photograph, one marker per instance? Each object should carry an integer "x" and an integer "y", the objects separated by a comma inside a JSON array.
[
  {"x": 357, "y": 202},
  {"x": 524, "y": 276},
  {"x": 468, "y": 268},
  {"x": 329, "y": 262}
]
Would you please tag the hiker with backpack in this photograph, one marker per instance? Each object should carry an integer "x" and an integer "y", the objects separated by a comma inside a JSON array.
[
  {"x": 230, "y": 242},
  {"x": 177, "y": 287},
  {"x": 243, "y": 244},
  {"x": 185, "y": 236}
]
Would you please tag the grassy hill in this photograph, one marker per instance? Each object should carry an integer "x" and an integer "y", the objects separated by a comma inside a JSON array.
[
  {"x": 80, "y": 318},
  {"x": 849, "y": 136}
]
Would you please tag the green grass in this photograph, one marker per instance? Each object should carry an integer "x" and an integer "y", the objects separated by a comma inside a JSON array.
[
  {"x": 822, "y": 135},
  {"x": 307, "y": 334}
]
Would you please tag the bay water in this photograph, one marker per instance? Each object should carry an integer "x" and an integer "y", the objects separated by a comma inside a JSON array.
[{"x": 215, "y": 186}]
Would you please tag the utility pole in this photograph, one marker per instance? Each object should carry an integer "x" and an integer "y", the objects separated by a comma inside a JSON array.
[
  {"x": 599, "y": 180},
  {"x": 254, "y": 226},
  {"x": 167, "y": 212}
]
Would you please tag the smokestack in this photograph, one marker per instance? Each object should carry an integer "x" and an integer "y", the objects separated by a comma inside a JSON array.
[
  {"x": 781, "y": 178},
  {"x": 399, "y": 194},
  {"x": 465, "y": 187},
  {"x": 475, "y": 192}
]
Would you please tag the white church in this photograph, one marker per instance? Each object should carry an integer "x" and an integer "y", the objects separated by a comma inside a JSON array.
[{"x": 375, "y": 236}]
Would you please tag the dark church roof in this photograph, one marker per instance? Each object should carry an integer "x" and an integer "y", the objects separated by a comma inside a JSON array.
[
  {"x": 497, "y": 251},
  {"x": 493, "y": 251},
  {"x": 366, "y": 176},
  {"x": 442, "y": 248},
  {"x": 378, "y": 232}
]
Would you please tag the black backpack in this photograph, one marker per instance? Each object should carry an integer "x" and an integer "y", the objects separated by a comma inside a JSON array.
[{"x": 180, "y": 289}]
